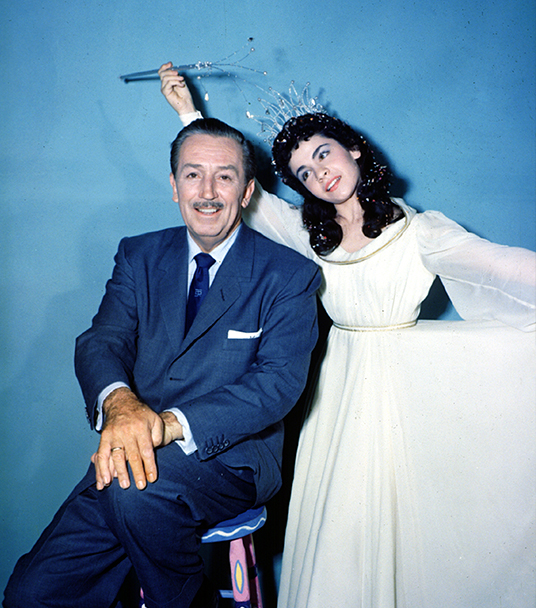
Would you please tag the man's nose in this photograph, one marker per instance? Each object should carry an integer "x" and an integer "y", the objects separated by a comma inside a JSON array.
[{"x": 208, "y": 189}]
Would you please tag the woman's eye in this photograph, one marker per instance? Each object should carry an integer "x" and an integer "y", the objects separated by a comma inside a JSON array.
[
  {"x": 323, "y": 154},
  {"x": 304, "y": 176}
]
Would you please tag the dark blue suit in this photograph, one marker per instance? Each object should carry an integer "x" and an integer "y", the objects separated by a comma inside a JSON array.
[{"x": 234, "y": 393}]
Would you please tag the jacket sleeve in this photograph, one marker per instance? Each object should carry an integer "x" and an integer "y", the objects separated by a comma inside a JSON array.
[{"x": 106, "y": 352}]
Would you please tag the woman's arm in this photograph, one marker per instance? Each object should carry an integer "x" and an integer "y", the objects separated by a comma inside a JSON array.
[
  {"x": 175, "y": 90},
  {"x": 276, "y": 219}
]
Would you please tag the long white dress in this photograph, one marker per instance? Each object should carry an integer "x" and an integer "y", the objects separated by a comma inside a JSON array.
[{"x": 415, "y": 478}]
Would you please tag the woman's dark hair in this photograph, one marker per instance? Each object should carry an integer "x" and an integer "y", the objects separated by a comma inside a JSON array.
[
  {"x": 217, "y": 128},
  {"x": 325, "y": 234}
]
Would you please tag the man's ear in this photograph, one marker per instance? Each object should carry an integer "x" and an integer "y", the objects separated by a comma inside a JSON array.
[
  {"x": 248, "y": 193},
  {"x": 174, "y": 186}
]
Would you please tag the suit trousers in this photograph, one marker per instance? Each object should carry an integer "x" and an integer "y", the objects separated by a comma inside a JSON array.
[{"x": 97, "y": 537}]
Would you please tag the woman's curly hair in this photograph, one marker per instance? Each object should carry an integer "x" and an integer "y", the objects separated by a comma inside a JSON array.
[{"x": 325, "y": 234}]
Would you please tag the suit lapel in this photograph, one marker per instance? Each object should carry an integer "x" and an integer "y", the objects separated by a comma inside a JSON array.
[
  {"x": 172, "y": 289},
  {"x": 236, "y": 268}
]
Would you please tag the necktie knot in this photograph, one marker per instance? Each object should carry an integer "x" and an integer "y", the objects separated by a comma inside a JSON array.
[
  {"x": 199, "y": 286},
  {"x": 204, "y": 260}
]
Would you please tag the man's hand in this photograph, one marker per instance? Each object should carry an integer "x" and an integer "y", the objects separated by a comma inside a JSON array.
[
  {"x": 131, "y": 432},
  {"x": 175, "y": 90}
]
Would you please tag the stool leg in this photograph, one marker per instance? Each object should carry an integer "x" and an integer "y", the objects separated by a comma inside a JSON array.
[
  {"x": 254, "y": 584},
  {"x": 239, "y": 573}
]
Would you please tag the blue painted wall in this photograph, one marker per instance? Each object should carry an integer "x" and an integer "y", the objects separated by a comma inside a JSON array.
[{"x": 446, "y": 92}]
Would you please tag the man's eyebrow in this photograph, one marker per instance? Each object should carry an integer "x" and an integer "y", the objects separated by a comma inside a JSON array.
[
  {"x": 233, "y": 168},
  {"x": 218, "y": 168}
]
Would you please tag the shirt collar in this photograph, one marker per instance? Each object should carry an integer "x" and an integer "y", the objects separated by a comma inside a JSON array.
[{"x": 218, "y": 253}]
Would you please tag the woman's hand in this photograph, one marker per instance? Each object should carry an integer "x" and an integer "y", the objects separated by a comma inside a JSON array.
[{"x": 175, "y": 90}]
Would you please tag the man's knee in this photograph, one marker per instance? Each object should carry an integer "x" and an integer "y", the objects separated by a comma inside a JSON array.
[
  {"x": 23, "y": 590},
  {"x": 125, "y": 506},
  {"x": 140, "y": 514}
]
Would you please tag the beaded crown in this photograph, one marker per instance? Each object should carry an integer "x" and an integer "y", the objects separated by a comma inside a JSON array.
[{"x": 281, "y": 108}]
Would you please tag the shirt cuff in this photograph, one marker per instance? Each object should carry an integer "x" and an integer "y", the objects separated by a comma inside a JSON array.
[
  {"x": 187, "y": 444},
  {"x": 186, "y": 119},
  {"x": 100, "y": 400}
]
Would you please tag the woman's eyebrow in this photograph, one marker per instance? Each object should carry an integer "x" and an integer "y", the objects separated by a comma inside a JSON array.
[
  {"x": 317, "y": 151},
  {"x": 315, "y": 154}
]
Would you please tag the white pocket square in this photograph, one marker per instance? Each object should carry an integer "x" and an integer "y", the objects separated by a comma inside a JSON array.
[{"x": 232, "y": 334}]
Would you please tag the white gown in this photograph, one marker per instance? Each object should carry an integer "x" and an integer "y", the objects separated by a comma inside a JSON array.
[{"x": 415, "y": 478}]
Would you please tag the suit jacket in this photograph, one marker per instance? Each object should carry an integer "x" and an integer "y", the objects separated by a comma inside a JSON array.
[{"x": 233, "y": 388}]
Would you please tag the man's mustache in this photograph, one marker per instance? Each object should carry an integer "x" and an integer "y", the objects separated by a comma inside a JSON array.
[{"x": 208, "y": 205}]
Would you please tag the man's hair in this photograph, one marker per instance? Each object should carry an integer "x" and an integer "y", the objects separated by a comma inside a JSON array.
[{"x": 216, "y": 128}]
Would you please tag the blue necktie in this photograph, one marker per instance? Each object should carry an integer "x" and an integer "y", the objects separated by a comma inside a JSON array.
[{"x": 199, "y": 287}]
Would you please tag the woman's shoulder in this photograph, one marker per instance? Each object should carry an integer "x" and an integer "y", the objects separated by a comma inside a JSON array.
[
  {"x": 427, "y": 219},
  {"x": 278, "y": 220}
]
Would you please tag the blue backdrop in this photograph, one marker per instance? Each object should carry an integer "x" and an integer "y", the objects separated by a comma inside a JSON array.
[{"x": 445, "y": 90}]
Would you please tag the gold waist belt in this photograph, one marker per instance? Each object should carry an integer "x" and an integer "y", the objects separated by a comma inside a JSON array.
[{"x": 377, "y": 328}]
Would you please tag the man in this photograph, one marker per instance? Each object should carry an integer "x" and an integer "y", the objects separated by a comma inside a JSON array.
[{"x": 192, "y": 405}]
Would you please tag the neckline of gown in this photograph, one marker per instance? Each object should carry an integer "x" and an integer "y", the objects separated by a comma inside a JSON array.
[{"x": 389, "y": 235}]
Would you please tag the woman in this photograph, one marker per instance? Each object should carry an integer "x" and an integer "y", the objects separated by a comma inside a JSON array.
[{"x": 414, "y": 480}]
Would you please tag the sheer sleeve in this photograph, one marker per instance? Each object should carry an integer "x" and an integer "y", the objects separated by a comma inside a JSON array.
[
  {"x": 277, "y": 220},
  {"x": 483, "y": 280}
]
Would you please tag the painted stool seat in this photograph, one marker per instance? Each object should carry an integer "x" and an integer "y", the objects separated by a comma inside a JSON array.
[
  {"x": 238, "y": 527},
  {"x": 238, "y": 531}
]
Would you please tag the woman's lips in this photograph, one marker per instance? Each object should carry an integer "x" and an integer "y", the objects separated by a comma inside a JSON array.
[{"x": 332, "y": 185}]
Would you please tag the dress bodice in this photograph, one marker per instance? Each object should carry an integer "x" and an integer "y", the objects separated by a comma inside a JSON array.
[
  {"x": 381, "y": 285},
  {"x": 385, "y": 282}
]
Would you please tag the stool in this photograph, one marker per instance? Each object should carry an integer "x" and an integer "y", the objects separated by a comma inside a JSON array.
[
  {"x": 238, "y": 531},
  {"x": 246, "y": 590}
]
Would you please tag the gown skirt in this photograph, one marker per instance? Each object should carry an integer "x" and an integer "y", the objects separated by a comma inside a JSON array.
[{"x": 415, "y": 475}]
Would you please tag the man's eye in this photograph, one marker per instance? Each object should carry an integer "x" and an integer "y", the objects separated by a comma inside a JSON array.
[
  {"x": 191, "y": 175},
  {"x": 226, "y": 178}
]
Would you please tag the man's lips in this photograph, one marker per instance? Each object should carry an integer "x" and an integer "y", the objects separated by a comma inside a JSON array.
[{"x": 332, "y": 185}]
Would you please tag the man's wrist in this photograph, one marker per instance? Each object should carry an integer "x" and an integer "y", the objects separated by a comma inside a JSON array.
[
  {"x": 116, "y": 397},
  {"x": 173, "y": 428}
]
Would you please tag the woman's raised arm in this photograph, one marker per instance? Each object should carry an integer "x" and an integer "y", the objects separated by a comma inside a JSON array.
[{"x": 175, "y": 90}]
